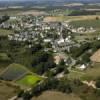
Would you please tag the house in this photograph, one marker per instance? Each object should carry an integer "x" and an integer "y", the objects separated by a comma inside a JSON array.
[
  {"x": 13, "y": 17},
  {"x": 57, "y": 59},
  {"x": 10, "y": 37},
  {"x": 60, "y": 41},
  {"x": 82, "y": 67},
  {"x": 47, "y": 40}
]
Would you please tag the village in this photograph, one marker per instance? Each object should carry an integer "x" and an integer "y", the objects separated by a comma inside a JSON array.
[
  {"x": 39, "y": 49},
  {"x": 58, "y": 37}
]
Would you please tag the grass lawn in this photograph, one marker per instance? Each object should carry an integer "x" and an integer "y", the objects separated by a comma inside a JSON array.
[
  {"x": 29, "y": 80},
  {"x": 4, "y": 32},
  {"x": 88, "y": 74}
]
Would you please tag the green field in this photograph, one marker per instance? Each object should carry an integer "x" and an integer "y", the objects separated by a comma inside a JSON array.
[
  {"x": 75, "y": 75},
  {"x": 88, "y": 74},
  {"x": 92, "y": 73},
  {"x": 86, "y": 23},
  {"x": 29, "y": 80}
]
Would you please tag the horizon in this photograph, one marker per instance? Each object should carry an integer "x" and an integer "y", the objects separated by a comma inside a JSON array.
[{"x": 56, "y": 0}]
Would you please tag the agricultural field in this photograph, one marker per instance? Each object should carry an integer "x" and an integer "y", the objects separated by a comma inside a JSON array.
[
  {"x": 29, "y": 80},
  {"x": 75, "y": 75},
  {"x": 7, "y": 91},
  {"x": 92, "y": 73},
  {"x": 32, "y": 12},
  {"x": 5, "y": 32},
  {"x": 86, "y": 36},
  {"x": 52, "y": 95},
  {"x": 10, "y": 11},
  {"x": 88, "y": 74},
  {"x": 13, "y": 72},
  {"x": 86, "y": 23},
  {"x": 69, "y": 18}
]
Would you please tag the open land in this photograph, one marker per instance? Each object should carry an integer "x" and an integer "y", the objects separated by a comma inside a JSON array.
[{"x": 53, "y": 95}]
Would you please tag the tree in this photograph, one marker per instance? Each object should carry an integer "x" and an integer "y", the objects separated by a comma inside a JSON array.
[
  {"x": 98, "y": 83},
  {"x": 64, "y": 86},
  {"x": 62, "y": 63},
  {"x": 26, "y": 96},
  {"x": 97, "y": 18},
  {"x": 66, "y": 71},
  {"x": 20, "y": 93}
]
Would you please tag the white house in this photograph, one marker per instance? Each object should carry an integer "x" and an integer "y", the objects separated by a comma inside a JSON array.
[{"x": 82, "y": 67}]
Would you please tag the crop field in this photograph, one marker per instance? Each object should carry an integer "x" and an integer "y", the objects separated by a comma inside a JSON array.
[
  {"x": 13, "y": 71},
  {"x": 29, "y": 80},
  {"x": 33, "y": 12},
  {"x": 86, "y": 23},
  {"x": 69, "y": 18},
  {"x": 7, "y": 91},
  {"x": 86, "y": 36},
  {"x": 52, "y": 95},
  {"x": 10, "y": 11},
  {"x": 5, "y": 32}
]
